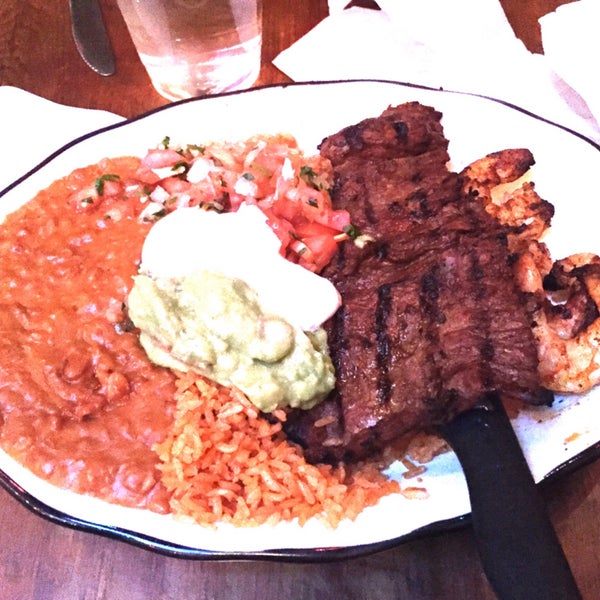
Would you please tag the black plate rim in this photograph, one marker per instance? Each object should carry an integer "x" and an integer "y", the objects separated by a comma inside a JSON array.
[
  {"x": 296, "y": 555},
  {"x": 169, "y": 106}
]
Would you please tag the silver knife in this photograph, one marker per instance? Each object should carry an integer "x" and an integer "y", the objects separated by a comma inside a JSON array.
[{"x": 90, "y": 36}]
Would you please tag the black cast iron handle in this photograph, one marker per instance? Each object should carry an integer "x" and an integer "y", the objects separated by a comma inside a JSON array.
[{"x": 519, "y": 549}]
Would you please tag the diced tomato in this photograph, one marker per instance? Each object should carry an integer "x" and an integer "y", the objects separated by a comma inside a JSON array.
[
  {"x": 322, "y": 249},
  {"x": 160, "y": 158},
  {"x": 112, "y": 188},
  {"x": 308, "y": 229},
  {"x": 287, "y": 209},
  {"x": 338, "y": 219},
  {"x": 175, "y": 185},
  {"x": 147, "y": 176}
]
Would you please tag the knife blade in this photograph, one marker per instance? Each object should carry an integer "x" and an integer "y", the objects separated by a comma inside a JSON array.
[
  {"x": 520, "y": 552},
  {"x": 90, "y": 36}
]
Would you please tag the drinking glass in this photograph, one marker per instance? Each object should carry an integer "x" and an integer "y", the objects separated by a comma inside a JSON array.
[{"x": 196, "y": 47}]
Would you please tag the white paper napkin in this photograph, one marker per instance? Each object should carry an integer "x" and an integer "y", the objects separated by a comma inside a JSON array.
[
  {"x": 33, "y": 127},
  {"x": 463, "y": 45},
  {"x": 572, "y": 47}
]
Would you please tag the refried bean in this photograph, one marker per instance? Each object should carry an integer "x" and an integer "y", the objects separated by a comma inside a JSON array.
[{"x": 80, "y": 403}]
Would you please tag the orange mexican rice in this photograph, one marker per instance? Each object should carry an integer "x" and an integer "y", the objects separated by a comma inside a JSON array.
[{"x": 224, "y": 461}]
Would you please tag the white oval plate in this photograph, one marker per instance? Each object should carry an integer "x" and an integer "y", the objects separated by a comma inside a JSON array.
[{"x": 553, "y": 439}]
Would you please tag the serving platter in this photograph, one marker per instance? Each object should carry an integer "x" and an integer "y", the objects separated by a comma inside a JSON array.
[{"x": 554, "y": 439}]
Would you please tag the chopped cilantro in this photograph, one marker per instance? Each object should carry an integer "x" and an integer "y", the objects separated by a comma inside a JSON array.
[
  {"x": 306, "y": 171},
  {"x": 195, "y": 147},
  {"x": 308, "y": 174},
  {"x": 351, "y": 231},
  {"x": 99, "y": 183},
  {"x": 181, "y": 167},
  {"x": 312, "y": 178}
]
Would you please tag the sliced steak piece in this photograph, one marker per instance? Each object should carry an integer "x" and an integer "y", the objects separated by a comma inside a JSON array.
[{"x": 431, "y": 319}]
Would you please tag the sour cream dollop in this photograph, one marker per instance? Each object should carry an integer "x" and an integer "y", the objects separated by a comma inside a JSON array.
[{"x": 239, "y": 245}]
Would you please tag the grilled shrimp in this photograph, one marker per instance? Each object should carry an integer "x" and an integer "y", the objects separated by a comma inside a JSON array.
[
  {"x": 565, "y": 294},
  {"x": 519, "y": 208},
  {"x": 566, "y": 320}
]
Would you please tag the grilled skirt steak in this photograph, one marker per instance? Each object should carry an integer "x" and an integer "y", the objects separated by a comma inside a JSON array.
[{"x": 431, "y": 319}]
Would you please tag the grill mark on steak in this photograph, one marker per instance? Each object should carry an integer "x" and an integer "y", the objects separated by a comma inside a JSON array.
[
  {"x": 431, "y": 319},
  {"x": 384, "y": 385}
]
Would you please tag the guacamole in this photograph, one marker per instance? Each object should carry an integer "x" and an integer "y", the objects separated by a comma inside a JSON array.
[{"x": 214, "y": 325}]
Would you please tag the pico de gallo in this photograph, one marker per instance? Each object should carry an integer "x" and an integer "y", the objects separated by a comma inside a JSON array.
[{"x": 267, "y": 171}]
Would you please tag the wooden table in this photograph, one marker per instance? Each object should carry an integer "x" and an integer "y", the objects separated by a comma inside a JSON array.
[{"x": 40, "y": 560}]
